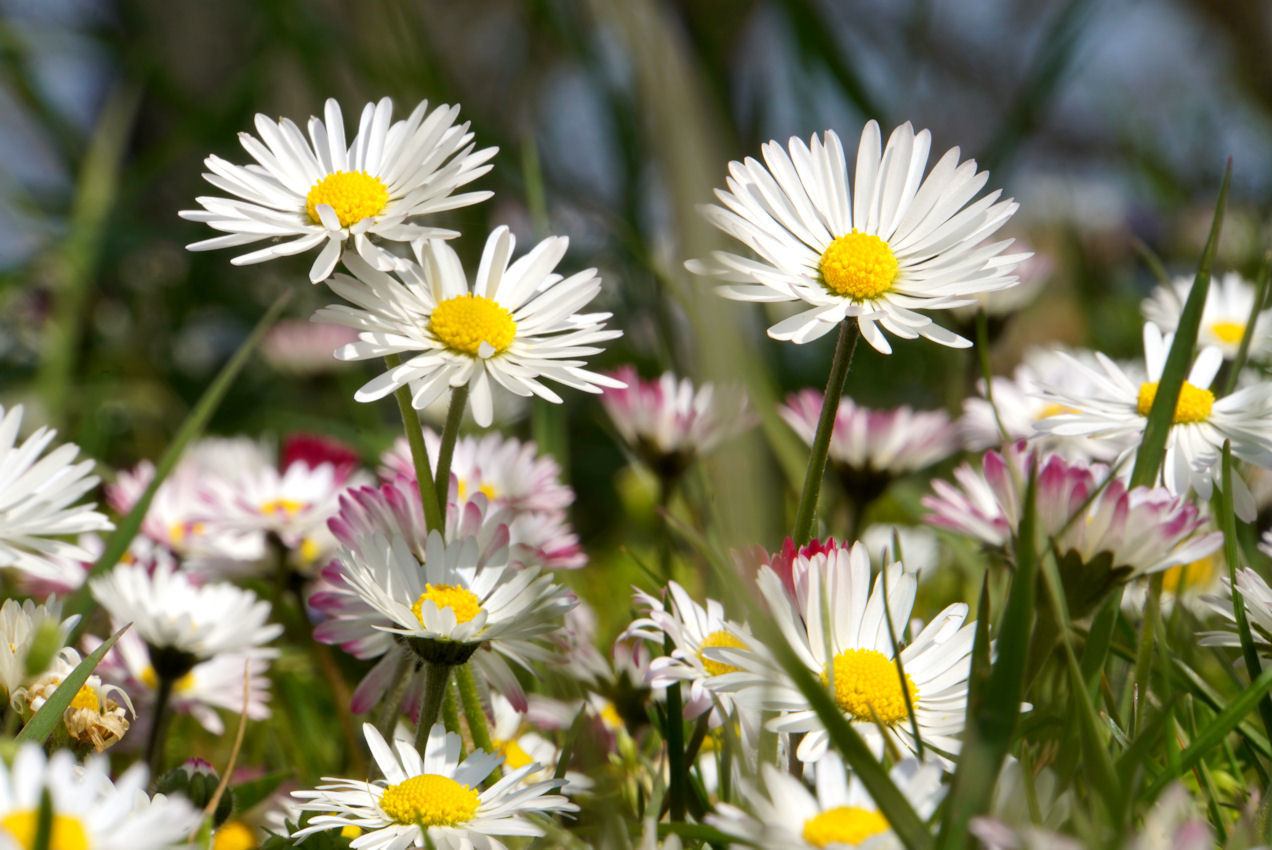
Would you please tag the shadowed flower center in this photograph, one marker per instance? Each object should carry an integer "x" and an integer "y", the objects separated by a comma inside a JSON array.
[
  {"x": 1193, "y": 406},
  {"x": 464, "y": 322},
  {"x": 429, "y": 800},
  {"x": 860, "y": 266},
  {"x": 461, "y": 600},
  {"x": 843, "y": 825},
  {"x": 67, "y": 832},
  {"x": 867, "y": 686},
  {"x": 1229, "y": 332},
  {"x": 354, "y": 195},
  {"x": 719, "y": 638},
  {"x": 151, "y": 680},
  {"x": 1198, "y": 574}
]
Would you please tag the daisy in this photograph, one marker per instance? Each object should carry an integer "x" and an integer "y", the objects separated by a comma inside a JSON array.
[
  {"x": 835, "y": 623},
  {"x": 1256, "y": 597},
  {"x": 668, "y": 421},
  {"x": 89, "y": 809},
  {"x": 516, "y": 324},
  {"x": 432, "y": 798},
  {"x": 1229, "y": 303},
  {"x": 1118, "y": 411},
  {"x": 98, "y": 714},
  {"x": 300, "y": 195},
  {"x": 895, "y": 243},
  {"x": 785, "y": 815},
  {"x": 26, "y": 627},
  {"x": 173, "y": 615},
  {"x": 37, "y": 495}
]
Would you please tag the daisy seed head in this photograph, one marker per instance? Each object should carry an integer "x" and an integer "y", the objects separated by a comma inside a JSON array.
[
  {"x": 719, "y": 638},
  {"x": 1193, "y": 406},
  {"x": 464, "y": 322},
  {"x": 844, "y": 825},
  {"x": 431, "y": 800},
  {"x": 352, "y": 195},
  {"x": 867, "y": 687},
  {"x": 858, "y": 265}
]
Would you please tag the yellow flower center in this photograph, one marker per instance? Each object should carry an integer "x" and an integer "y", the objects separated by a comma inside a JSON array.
[
  {"x": 843, "y": 825},
  {"x": 429, "y": 800},
  {"x": 464, "y": 322},
  {"x": 1188, "y": 576},
  {"x": 514, "y": 755},
  {"x": 488, "y": 490},
  {"x": 151, "y": 680},
  {"x": 86, "y": 697},
  {"x": 350, "y": 831},
  {"x": 286, "y": 507},
  {"x": 354, "y": 195},
  {"x": 461, "y": 600},
  {"x": 68, "y": 832},
  {"x": 720, "y": 638},
  {"x": 611, "y": 718},
  {"x": 178, "y": 532},
  {"x": 1193, "y": 406},
  {"x": 867, "y": 686},
  {"x": 234, "y": 835},
  {"x": 858, "y": 265},
  {"x": 1228, "y": 332}
]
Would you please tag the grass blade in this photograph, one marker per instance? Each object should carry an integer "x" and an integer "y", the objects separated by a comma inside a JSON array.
[{"x": 44, "y": 721}]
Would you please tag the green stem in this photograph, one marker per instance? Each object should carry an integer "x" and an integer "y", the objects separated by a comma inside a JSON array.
[
  {"x": 450, "y": 709},
  {"x": 435, "y": 678},
  {"x": 473, "y": 711},
  {"x": 159, "y": 724},
  {"x": 676, "y": 766},
  {"x": 450, "y": 432},
  {"x": 419, "y": 453},
  {"x": 844, "y": 347}
]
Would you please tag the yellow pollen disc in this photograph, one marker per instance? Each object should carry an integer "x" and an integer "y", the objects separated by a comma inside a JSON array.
[
  {"x": 354, "y": 195},
  {"x": 514, "y": 755},
  {"x": 429, "y": 800},
  {"x": 461, "y": 600},
  {"x": 1193, "y": 406},
  {"x": 860, "y": 266},
  {"x": 310, "y": 550},
  {"x": 178, "y": 532},
  {"x": 611, "y": 718},
  {"x": 464, "y": 322},
  {"x": 287, "y": 507},
  {"x": 1188, "y": 576},
  {"x": 867, "y": 687},
  {"x": 86, "y": 697},
  {"x": 843, "y": 825},
  {"x": 350, "y": 831},
  {"x": 488, "y": 490},
  {"x": 68, "y": 832},
  {"x": 151, "y": 680},
  {"x": 719, "y": 638},
  {"x": 234, "y": 835},
  {"x": 1230, "y": 332}
]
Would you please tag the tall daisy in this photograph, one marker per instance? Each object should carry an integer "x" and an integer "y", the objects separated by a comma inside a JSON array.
[
  {"x": 893, "y": 243},
  {"x": 432, "y": 798},
  {"x": 837, "y": 626},
  {"x": 26, "y": 627},
  {"x": 301, "y": 193},
  {"x": 1117, "y": 410},
  {"x": 1229, "y": 302},
  {"x": 37, "y": 496},
  {"x": 516, "y": 324}
]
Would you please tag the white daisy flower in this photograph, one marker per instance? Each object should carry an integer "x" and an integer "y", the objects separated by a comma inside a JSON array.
[
  {"x": 518, "y": 323},
  {"x": 1118, "y": 410},
  {"x": 171, "y": 613},
  {"x": 895, "y": 243},
  {"x": 89, "y": 809},
  {"x": 98, "y": 714},
  {"x": 1229, "y": 302},
  {"x": 37, "y": 495},
  {"x": 301, "y": 193},
  {"x": 785, "y": 815},
  {"x": 836, "y": 625},
  {"x": 21, "y": 625},
  {"x": 432, "y": 798}
]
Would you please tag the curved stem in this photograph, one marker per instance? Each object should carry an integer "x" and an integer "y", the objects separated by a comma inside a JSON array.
[
  {"x": 473, "y": 711},
  {"x": 419, "y": 453},
  {"x": 159, "y": 724},
  {"x": 844, "y": 347},
  {"x": 435, "y": 679},
  {"x": 450, "y": 432}
]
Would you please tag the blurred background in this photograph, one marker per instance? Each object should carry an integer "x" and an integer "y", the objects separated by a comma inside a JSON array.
[{"x": 1109, "y": 120}]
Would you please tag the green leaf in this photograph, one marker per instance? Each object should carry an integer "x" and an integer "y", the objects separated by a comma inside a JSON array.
[
  {"x": 1148, "y": 458},
  {"x": 44, "y": 721}
]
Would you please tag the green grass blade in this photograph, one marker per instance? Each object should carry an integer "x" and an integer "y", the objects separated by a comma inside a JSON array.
[
  {"x": 1148, "y": 459},
  {"x": 44, "y": 721},
  {"x": 118, "y": 542}
]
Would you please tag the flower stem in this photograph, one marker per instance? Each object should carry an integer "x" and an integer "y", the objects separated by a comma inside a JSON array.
[
  {"x": 435, "y": 678},
  {"x": 159, "y": 723},
  {"x": 419, "y": 454},
  {"x": 450, "y": 432},
  {"x": 844, "y": 347},
  {"x": 473, "y": 711},
  {"x": 677, "y": 769},
  {"x": 450, "y": 709},
  {"x": 391, "y": 702}
]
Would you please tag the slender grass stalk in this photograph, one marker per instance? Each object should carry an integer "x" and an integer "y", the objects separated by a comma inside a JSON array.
[
  {"x": 391, "y": 703},
  {"x": 844, "y": 347},
  {"x": 435, "y": 678},
  {"x": 982, "y": 353},
  {"x": 419, "y": 453},
  {"x": 450, "y": 433},
  {"x": 159, "y": 719}
]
